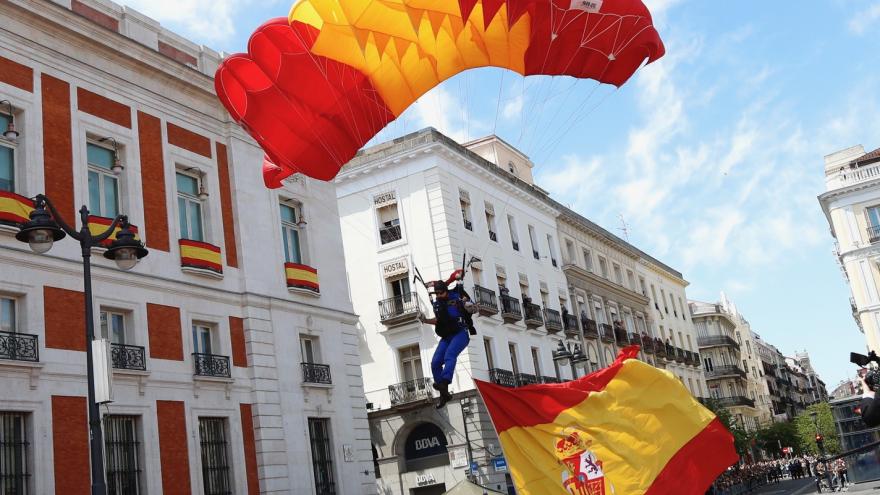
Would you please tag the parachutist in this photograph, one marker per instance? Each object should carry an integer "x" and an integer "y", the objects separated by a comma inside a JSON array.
[{"x": 449, "y": 324}]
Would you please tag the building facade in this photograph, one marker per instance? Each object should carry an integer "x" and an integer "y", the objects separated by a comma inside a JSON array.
[
  {"x": 851, "y": 203},
  {"x": 235, "y": 366},
  {"x": 816, "y": 389}
]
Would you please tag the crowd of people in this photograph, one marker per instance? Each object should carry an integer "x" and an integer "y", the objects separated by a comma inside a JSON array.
[{"x": 745, "y": 478}]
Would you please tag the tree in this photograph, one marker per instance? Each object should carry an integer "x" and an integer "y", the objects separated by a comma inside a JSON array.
[
  {"x": 742, "y": 439},
  {"x": 776, "y": 435},
  {"x": 806, "y": 429}
]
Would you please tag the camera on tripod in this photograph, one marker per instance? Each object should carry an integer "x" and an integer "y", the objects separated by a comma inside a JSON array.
[{"x": 872, "y": 374}]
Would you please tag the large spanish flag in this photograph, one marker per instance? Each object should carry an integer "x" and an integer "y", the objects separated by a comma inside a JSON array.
[{"x": 629, "y": 429}]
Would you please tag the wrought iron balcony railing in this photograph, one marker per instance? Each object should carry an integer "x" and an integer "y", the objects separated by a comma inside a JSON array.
[
  {"x": 696, "y": 360},
  {"x": 552, "y": 320},
  {"x": 532, "y": 314},
  {"x": 485, "y": 300},
  {"x": 211, "y": 365},
  {"x": 716, "y": 341},
  {"x": 390, "y": 234},
  {"x": 679, "y": 355},
  {"x": 502, "y": 377},
  {"x": 511, "y": 310},
  {"x": 412, "y": 391},
  {"x": 469, "y": 225},
  {"x": 659, "y": 348},
  {"x": 635, "y": 339},
  {"x": 874, "y": 233},
  {"x": 399, "y": 308},
  {"x": 493, "y": 236},
  {"x": 591, "y": 330},
  {"x": 606, "y": 332},
  {"x": 620, "y": 336},
  {"x": 735, "y": 401},
  {"x": 570, "y": 324},
  {"x": 128, "y": 357},
  {"x": 647, "y": 344},
  {"x": 316, "y": 373},
  {"x": 549, "y": 379},
  {"x": 19, "y": 347},
  {"x": 725, "y": 372},
  {"x": 523, "y": 379}
]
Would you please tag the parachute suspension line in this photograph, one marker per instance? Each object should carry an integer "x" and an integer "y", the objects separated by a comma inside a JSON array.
[{"x": 498, "y": 105}]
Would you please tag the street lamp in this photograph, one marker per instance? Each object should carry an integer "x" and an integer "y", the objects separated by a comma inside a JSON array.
[
  {"x": 561, "y": 355},
  {"x": 10, "y": 133},
  {"x": 43, "y": 229}
]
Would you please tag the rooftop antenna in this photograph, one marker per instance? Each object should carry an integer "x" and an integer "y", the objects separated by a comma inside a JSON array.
[{"x": 624, "y": 227}]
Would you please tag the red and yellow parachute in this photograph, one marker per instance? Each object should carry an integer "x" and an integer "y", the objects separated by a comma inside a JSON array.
[{"x": 315, "y": 87}]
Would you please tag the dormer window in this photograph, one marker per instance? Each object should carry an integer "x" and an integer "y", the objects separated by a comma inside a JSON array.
[{"x": 511, "y": 168}]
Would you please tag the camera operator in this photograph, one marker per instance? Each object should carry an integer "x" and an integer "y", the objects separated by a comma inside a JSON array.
[{"x": 870, "y": 405}]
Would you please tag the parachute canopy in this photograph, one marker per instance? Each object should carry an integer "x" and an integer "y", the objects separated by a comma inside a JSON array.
[{"x": 317, "y": 86}]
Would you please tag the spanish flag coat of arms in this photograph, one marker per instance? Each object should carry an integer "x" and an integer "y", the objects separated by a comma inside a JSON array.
[{"x": 629, "y": 429}]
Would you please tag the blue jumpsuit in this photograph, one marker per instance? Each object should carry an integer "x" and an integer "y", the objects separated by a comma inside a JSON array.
[{"x": 443, "y": 362}]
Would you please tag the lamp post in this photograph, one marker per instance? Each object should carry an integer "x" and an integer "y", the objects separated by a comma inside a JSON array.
[{"x": 40, "y": 233}]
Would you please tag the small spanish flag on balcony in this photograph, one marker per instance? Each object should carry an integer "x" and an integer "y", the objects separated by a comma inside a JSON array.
[
  {"x": 629, "y": 429},
  {"x": 301, "y": 277},
  {"x": 14, "y": 209},
  {"x": 197, "y": 254},
  {"x": 98, "y": 225}
]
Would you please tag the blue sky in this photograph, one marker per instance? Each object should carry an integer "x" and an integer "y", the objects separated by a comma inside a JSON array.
[{"x": 712, "y": 155}]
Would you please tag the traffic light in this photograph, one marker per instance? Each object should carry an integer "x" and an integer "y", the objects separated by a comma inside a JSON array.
[{"x": 820, "y": 440}]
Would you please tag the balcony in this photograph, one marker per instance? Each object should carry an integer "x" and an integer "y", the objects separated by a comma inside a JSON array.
[
  {"x": 469, "y": 225},
  {"x": 510, "y": 309},
  {"x": 620, "y": 335},
  {"x": 553, "y": 320},
  {"x": 716, "y": 341},
  {"x": 493, "y": 236},
  {"x": 515, "y": 245},
  {"x": 399, "y": 309},
  {"x": 485, "y": 300},
  {"x": 502, "y": 377},
  {"x": 533, "y": 316},
  {"x": 591, "y": 330},
  {"x": 697, "y": 360},
  {"x": 659, "y": 348},
  {"x": 570, "y": 324},
  {"x": 316, "y": 373},
  {"x": 606, "y": 333},
  {"x": 211, "y": 365},
  {"x": 128, "y": 357},
  {"x": 688, "y": 360},
  {"x": 549, "y": 379},
  {"x": 725, "y": 372},
  {"x": 536, "y": 254},
  {"x": 201, "y": 258},
  {"x": 389, "y": 234},
  {"x": 635, "y": 339},
  {"x": 873, "y": 233},
  {"x": 413, "y": 391},
  {"x": 19, "y": 347},
  {"x": 647, "y": 344},
  {"x": 735, "y": 401},
  {"x": 523, "y": 379},
  {"x": 679, "y": 355},
  {"x": 670, "y": 352}
]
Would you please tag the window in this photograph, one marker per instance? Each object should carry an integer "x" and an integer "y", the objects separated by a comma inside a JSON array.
[
  {"x": 552, "y": 249},
  {"x": 487, "y": 346},
  {"x": 588, "y": 260},
  {"x": 514, "y": 236},
  {"x": 465, "y": 202},
  {"x": 400, "y": 289},
  {"x": 617, "y": 274},
  {"x": 113, "y": 326},
  {"x": 514, "y": 360},
  {"x": 309, "y": 347},
  {"x": 388, "y": 217},
  {"x": 7, "y": 315},
  {"x": 203, "y": 339},
  {"x": 535, "y": 253},
  {"x": 15, "y": 474},
  {"x": 630, "y": 280},
  {"x": 322, "y": 459},
  {"x": 536, "y": 361},
  {"x": 603, "y": 267},
  {"x": 571, "y": 258},
  {"x": 642, "y": 286},
  {"x": 215, "y": 461},
  {"x": 121, "y": 456},
  {"x": 599, "y": 311},
  {"x": 490, "y": 222},
  {"x": 511, "y": 168},
  {"x": 7, "y": 159},
  {"x": 681, "y": 306},
  {"x": 873, "y": 214},
  {"x": 411, "y": 363},
  {"x": 189, "y": 208},
  {"x": 103, "y": 183},
  {"x": 290, "y": 234}
]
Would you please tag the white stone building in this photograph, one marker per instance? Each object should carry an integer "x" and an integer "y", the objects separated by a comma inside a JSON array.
[
  {"x": 851, "y": 203},
  {"x": 234, "y": 341}
]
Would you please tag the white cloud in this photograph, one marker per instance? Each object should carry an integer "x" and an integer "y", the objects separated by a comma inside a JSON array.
[
  {"x": 207, "y": 20},
  {"x": 440, "y": 109},
  {"x": 513, "y": 107},
  {"x": 860, "y": 22}
]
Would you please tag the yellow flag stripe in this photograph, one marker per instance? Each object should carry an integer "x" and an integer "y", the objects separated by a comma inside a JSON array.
[
  {"x": 299, "y": 274},
  {"x": 636, "y": 425},
  {"x": 200, "y": 254}
]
